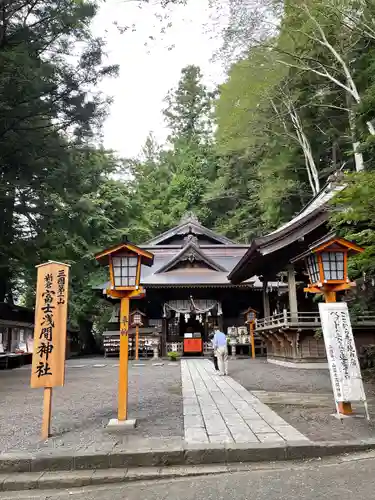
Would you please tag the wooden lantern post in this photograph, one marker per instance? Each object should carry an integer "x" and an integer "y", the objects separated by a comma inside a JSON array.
[
  {"x": 137, "y": 322},
  {"x": 327, "y": 265},
  {"x": 124, "y": 261},
  {"x": 250, "y": 316},
  {"x": 136, "y": 341}
]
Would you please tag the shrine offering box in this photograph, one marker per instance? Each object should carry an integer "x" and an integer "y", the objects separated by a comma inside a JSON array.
[{"x": 193, "y": 345}]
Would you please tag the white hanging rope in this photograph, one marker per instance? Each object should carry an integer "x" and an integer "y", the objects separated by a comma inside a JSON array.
[{"x": 199, "y": 306}]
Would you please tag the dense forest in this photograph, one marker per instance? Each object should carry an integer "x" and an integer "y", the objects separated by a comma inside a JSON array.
[{"x": 297, "y": 105}]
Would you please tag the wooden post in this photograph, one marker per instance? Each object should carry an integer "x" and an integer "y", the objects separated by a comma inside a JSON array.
[
  {"x": 47, "y": 409},
  {"x": 266, "y": 301},
  {"x": 344, "y": 407},
  {"x": 292, "y": 292},
  {"x": 164, "y": 337},
  {"x": 48, "y": 363},
  {"x": 252, "y": 339},
  {"x": 136, "y": 341},
  {"x": 124, "y": 360},
  {"x": 329, "y": 296}
]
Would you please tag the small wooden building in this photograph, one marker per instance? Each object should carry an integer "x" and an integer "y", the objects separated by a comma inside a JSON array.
[
  {"x": 188, "y": 291},
  {"x": 16, "y": 335},
  {"x": 291, "y": 327}
]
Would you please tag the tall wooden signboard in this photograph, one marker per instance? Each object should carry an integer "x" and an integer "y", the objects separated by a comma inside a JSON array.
[{"x": 48, "y": 366}]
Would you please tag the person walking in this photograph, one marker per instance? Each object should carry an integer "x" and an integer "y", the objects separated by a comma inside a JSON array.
[
  {"x": 214, "y": 353},
  {"x": 221, "y": 350}
]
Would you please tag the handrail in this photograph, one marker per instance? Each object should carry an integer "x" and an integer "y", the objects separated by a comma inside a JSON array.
[{"x": 302, "y": 318}]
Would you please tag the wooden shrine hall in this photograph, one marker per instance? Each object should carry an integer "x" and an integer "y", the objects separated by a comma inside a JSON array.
[
  {"x": 292, "y": 327},
  {"x": 188, "y": 293}
]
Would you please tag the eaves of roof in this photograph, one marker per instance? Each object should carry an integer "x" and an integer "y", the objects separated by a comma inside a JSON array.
[
  {"x": 277, "y": 240},
  {"x": 186, "y": 228}
]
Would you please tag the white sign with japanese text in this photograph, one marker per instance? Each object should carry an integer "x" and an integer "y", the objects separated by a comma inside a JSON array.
[{"x": 342, "y": 356}]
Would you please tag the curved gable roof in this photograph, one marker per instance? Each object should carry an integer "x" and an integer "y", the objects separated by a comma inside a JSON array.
[
  {"x": 188, "y": 226},
  {"x": 194, "y": 251},
  {"x": 311, "y": 217}
]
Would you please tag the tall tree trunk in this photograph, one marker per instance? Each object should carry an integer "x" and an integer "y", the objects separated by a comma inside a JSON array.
[
  {"x": 7, "y": 201},
  {"x": 358, "y": 156}
]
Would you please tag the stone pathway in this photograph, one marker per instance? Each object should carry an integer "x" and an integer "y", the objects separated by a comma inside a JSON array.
[{"x": 220, "y": 410}]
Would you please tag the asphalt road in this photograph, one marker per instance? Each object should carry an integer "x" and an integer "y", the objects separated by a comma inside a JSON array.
[{"x": 314, "y": 480}]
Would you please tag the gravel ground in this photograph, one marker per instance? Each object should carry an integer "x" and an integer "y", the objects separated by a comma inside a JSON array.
[
  {"x": 258, "y": 374},
  {"x": 82, "y": 408},
  {"x": 314, "y": 421}
]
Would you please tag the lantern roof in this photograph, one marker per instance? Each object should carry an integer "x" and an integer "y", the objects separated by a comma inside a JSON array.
[
  {"x": 137, "y": 311},
  {"x": 249, "y": 310},
  {"x": 330, "y": 242},
  {"x": 147, "y": 258}
]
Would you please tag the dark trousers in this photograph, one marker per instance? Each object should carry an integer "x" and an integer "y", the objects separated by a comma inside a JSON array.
[{"x": 215, "y": 363}]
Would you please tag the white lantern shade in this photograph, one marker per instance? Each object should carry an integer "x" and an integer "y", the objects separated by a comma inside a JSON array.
[
  {"x": 125, "y": 270},
  {"x": 137, "y": 319},
  {"x": 313, "y": 268},
  {"x": 333, "y": 265}
]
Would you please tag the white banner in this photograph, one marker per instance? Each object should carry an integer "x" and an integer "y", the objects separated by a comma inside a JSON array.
[{"x": 342, "y": 356}]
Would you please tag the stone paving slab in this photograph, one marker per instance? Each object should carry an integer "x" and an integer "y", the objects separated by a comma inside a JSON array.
[{"x": 220, "y": 410}]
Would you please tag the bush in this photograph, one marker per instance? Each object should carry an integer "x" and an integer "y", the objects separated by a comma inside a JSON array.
[
  {"x": 173, "y": 356},
  {"x": 367, "y": 357}
]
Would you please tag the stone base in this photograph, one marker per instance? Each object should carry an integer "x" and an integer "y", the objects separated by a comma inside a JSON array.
[
  {"x": 343, "y": 417},
  {"x": 301, "y": 365},
  {"x": 115, "y": 425}
]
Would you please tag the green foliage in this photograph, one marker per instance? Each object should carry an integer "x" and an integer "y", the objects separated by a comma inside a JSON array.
[
  {"x": 243, "y": 157},
  {"x": 189, "y": 108},
  {"x": 353, "y": 218},
  {"x": 288, "y": 90},
  {"x": 170, "y": 181},
  {"x": 173, "y": 356},
  {"x": 55, "y": 187}
]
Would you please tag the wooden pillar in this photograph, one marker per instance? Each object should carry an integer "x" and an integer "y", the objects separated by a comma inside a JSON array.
[
  {"x": 136, "y": 341},
  {"x": 124, "y": 360},
  {"x": 266, "y": 300},
  {"x": 164, "y": 338},
  {"x": 47, "y": 405},
  {"x": 220, "y": 321},
  {"x": 252, "y": 342},
  {"x": 292, "y": 291}
]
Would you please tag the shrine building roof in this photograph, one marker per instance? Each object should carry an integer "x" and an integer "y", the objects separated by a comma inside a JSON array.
[
  {"x": 269, "y": 254},
  {"x": 191, "y": 255}
]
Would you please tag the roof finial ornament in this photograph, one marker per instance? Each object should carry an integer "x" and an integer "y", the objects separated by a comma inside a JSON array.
[
  {"x": 191, "y": 238},
  {"x": 189, "y": 217}
]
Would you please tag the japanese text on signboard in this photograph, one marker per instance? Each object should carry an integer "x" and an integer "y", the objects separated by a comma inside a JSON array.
[
  {"x": 50, "y": 326},
  {"x": 341, "y": 352}
]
